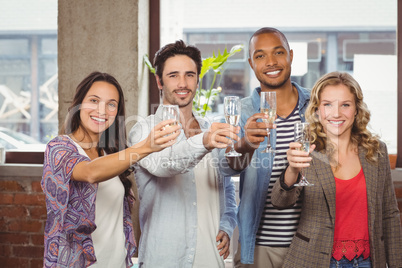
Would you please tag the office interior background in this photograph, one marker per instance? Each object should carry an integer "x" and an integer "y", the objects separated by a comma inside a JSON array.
[
  {"x": 351, "y": 36},
  {"x": 47, "y": 47}
]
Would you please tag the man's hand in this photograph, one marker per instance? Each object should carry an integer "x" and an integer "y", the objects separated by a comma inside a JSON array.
[
  {"x": 224, "y": 245},
  {"x": 220, "y": 135},
  {"x": 254, "y": 133}
]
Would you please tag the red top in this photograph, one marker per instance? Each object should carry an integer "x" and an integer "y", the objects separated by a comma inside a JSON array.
[{"x": 351, "y": 237}]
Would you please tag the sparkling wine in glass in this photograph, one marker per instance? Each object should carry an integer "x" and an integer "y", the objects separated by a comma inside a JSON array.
[
  {"x": 232, "y": 110},
  {"x": 171, "y": 112},
  {"x": 302, "y": 136},
  {"x": 268, "y": 107}
]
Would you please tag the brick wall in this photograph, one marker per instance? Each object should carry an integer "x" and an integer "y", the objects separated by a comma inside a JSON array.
[
  {"x": 22, "y": 220},
  {"x": 23, "y": 216}
]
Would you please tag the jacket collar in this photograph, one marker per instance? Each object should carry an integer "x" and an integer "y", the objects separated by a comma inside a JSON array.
[
  {"x": 304, "y": 97},
  {"x": 327, "y": 182}
]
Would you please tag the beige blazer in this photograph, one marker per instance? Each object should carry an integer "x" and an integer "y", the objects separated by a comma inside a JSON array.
[{"x": 312, "y": 243}]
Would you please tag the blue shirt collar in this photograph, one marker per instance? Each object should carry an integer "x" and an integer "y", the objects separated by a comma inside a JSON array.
[{"x": 304, "y": 97}]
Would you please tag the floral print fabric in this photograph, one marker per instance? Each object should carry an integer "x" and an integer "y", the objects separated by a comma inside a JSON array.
[{"x": 70, "y": 209}]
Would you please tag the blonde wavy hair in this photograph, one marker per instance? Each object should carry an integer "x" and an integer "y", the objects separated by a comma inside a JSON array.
[{"x": 360, "y": 135}]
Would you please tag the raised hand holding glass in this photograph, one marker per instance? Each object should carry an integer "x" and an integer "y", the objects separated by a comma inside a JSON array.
[
  {"x": 302, "y": 136},
  {"x": 268, "y": 107},
  {"x": 171, "y": 112}
]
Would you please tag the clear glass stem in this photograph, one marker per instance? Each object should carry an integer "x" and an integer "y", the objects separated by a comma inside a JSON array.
[
  {"x": 269, "y": 139},
  {"x": 232, "y": 150},
  {"x": 302, "y": 175},
  {"x": 170, "y": 161},
  {"x": 303, "y": 180}
]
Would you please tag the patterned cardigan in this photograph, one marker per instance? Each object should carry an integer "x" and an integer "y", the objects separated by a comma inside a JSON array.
[
  {"x": 70, "y": 209},
  {"x": 312, "y": 243}
]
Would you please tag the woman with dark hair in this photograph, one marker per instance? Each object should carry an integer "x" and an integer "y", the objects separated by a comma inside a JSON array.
[
  {"x": 85, "y": 179},
  {"x": 350, "y": 216}
]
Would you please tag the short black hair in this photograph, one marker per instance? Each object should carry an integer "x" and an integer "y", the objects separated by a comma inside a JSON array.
[{"x": 265, "y": 30}]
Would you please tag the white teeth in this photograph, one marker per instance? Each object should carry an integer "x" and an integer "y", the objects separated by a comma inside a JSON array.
[
  {"x": 273, "y": 73},
  {"x": 98, "y": 119},
  {"x": 182, "y": 93},
  {"x": 336, "y": 122}
]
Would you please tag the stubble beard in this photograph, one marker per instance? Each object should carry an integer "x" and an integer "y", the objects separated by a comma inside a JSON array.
[
  {"x": 177, "y": 101},
  {"x": 276, "y": 85}
]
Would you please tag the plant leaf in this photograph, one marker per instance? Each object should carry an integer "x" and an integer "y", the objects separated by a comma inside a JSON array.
[
  {"x": 206, "y": 66},
  {"x": 235, "y": 49},
  {"x": 149, "y": 64}
]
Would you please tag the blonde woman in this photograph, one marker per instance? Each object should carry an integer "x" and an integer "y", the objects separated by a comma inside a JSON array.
[{"x": 350, "y": 217}]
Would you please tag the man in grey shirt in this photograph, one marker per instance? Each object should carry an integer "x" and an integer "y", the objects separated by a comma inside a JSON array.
[{"x": 187, "y": 210}]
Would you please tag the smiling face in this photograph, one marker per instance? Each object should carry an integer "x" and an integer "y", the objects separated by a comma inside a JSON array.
[
  {"x": 179, "y": 81},
  {"x": 270, "y": 59},
  {"x": 337, "y": 110},
  {"x": 99, "y": 108}
]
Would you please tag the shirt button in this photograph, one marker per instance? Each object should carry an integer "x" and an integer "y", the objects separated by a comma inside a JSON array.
[
  {"x": 194, "y": 203},
  {"x": 192, "y": 249}
]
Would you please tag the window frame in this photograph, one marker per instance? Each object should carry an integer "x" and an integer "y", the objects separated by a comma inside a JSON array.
[
  {"x": 398, "y": 163},
  {"x": 154, "y": 40}
]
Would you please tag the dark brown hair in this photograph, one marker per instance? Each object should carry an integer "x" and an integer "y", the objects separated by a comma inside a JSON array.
[
  {"x": 173, "y": 49},
  {"x": 113, "y": 139}
]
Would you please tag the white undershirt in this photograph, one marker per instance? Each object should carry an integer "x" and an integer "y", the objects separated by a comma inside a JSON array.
[
  {"x": 208, "y": 214},
  {"x": 108, "y": 238}
]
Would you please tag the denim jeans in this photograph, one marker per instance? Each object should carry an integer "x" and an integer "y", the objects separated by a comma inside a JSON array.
[{"x": 354, "y": 263}]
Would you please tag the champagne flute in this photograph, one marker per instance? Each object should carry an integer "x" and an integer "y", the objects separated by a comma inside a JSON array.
[
  {"x": 268, "y": 107},
  {"x": 171, "y": 112},
  {"x": 232, "y": 110},
  {"x": 302, "y": 136}
]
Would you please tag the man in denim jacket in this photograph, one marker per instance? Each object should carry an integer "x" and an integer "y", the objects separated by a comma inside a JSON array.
[
  {"x": 188, "y": 209},
  {"x": 265, "y": 233}
]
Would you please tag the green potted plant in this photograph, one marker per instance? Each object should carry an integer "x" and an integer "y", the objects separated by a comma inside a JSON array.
[{"x": 204, "y": 97}]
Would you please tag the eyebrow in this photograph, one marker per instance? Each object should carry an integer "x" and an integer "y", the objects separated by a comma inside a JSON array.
[
  {"x": 96, "y": 96},
  {"x": 176, "y": 72},
  {"x": 275, "y": 48},
  {"x": 336, "y": 101}
]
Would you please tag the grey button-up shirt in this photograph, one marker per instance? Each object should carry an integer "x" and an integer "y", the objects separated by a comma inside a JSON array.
[{"x": 168, "y": 201}]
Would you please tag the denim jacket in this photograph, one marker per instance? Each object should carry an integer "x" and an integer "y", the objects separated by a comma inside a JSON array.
[
  {"x": 168, "y": 198},
  {"x": 254, "y": 179}
]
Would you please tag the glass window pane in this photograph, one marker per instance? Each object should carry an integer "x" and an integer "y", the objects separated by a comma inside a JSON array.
[
  {"x": 14, "y": 47},
  {"x": 28, "y": 74},
  {"x": 350, "y": 38},
  {"x": 49, "y": 46}
]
